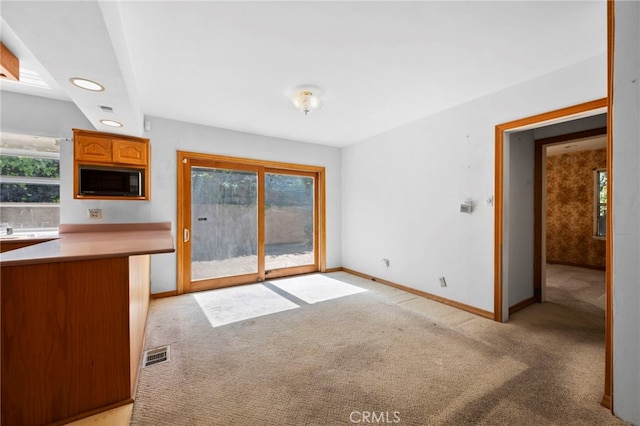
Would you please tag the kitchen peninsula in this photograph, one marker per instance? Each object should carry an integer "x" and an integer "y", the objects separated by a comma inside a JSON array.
[{"x": 73, "y": 314}]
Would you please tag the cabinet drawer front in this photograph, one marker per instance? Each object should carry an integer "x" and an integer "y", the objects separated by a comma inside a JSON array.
[
  {"x": 92, "y": 149},
  {"x": 127, "y": 152}
]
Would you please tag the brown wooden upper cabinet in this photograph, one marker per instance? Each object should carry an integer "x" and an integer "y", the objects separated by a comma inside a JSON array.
[
  {"x": 92, "y": 148},
  {"x": 110, "y": 152},
  {"x": 129, "y": 152}
]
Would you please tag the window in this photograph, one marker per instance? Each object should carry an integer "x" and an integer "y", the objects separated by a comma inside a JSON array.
[
  {"x": 600, "y": 216},
  {"x": 29, "y": 184}
]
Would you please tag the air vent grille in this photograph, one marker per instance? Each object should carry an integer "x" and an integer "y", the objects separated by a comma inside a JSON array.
[{"x": 156, "y": 356}]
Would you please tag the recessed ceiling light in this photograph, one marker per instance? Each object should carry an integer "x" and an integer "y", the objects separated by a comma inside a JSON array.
[
  {"x": 111, "y": 123},
  {"x": 83, "y": 83}
]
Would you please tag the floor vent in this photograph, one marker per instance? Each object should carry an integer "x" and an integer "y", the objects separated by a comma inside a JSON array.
[{"x": 156, "y": 356}]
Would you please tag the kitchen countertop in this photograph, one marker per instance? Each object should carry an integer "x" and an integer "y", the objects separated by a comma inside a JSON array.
[{"x": 81, "y": 242}]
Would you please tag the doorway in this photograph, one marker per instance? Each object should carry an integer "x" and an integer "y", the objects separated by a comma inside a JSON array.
[
  {"x": 514, "y": 233},
  {"x": 576, "y": 234},
  {"x": 245, "y": 221},
  {"x": 502, "y": 223}
]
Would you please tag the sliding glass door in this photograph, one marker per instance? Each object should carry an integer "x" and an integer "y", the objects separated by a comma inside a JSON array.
[
  {"x": 289, "y": 220},
  {"x": 245, "y": 222},
  {"x": 224, "y": 223}
]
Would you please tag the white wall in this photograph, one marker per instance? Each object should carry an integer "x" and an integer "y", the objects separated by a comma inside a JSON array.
[
  {"x": 42, "y": 116},
  {"x": 402, "y": 189},
  {"x": 518, "y": 218},
  {"x": 33, "y": 115},
  {"x": 626, "y": 205}
]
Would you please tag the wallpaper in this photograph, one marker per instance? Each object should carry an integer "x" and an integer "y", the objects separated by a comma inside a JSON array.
[{"x": 570, "y": 198}]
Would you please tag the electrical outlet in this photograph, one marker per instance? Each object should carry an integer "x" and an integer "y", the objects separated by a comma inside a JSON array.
[
  {"x": 94, "y": 213},
  {"x": 385, "y": 262},
  {"x": 443, "y": 282}
]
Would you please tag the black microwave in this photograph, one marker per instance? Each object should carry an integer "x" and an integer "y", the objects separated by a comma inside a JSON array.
[{"x": 111, "y": 181}]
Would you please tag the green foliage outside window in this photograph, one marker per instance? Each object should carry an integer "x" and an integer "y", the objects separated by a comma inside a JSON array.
[
  {"x": 14, "y": 166},
  {"x": 602, "y": 186}
]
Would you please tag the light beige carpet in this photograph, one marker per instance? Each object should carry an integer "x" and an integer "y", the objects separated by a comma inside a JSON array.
[{"x": 384, "y": 356}]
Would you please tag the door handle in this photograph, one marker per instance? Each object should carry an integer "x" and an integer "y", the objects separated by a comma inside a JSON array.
[{"x": 185, "y": 235}]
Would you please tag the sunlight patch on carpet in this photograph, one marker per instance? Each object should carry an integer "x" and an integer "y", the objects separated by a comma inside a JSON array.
[
  {"x": 316, "y": 288},
  {"x": 229, "y": 305}
]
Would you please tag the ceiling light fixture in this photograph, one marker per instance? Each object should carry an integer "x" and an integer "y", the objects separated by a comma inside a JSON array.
[
  {"x": 111, "y": 123},
  {"x": 307, "y": 99},
  {"x": 83, "y": 83}
]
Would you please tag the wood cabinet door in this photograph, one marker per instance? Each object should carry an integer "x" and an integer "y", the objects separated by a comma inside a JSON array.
[
  {"x": 90, "y": 148},
  {"x": 128, "y": 152}
]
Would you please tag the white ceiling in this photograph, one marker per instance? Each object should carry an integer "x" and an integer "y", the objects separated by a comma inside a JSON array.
[{"x": 234, "y": 64}]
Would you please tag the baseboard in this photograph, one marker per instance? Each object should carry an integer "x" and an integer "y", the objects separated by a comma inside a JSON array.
[
  {"x": 328, "y": 270},
  {"x": 164, "y": 294},
  {"x": 98, "y": 413},
  {"x": 606, "y": 401},
  {"x": 522, "y": 305},
  {"x": 453, "y": 303}
]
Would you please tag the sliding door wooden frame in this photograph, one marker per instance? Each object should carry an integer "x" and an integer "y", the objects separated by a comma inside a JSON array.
[
  {"x": 206, "y": 284},
  {"x": 186, "y": 159}
]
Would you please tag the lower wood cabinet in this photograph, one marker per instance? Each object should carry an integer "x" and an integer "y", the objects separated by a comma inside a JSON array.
[
  {"x": 8, "y": 245},
  {"x": 72, "y": 337}
]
